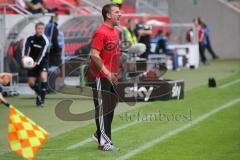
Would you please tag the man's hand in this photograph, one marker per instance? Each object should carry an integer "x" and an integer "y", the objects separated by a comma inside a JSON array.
[
  {"x": 34, "y": 64},
  {"x": 112, "y": 78}
]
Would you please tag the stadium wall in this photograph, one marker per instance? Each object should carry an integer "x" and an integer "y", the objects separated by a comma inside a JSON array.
[{"x": 223, "y": 21}]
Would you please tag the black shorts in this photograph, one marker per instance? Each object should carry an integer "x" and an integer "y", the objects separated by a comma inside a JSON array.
[
  {"x": 35, "y": 72},
  {"x": 1, "y": 89}
]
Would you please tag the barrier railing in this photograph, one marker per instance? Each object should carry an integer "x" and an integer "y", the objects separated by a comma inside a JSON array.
[
  {"x": 14, "y": 7},
  {"x": 226, "y": 2},
  {"x": 156, "y": 7}
]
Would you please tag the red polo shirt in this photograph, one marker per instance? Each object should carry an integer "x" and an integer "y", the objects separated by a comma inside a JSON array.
[
  {"x": 200, "y": 33},
  {"x": 106, "y": 41}
]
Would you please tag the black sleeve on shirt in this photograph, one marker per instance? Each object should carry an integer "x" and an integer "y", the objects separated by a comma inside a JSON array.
[{"x": 26, "y": 47}]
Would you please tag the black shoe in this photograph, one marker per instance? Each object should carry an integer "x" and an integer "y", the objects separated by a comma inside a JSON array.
[
  {"x": 39, "y": 101},
  {"x": 205, "y": 63},
  {"x": 42, "y": 105},
  {"x": 215, "y": 57}
]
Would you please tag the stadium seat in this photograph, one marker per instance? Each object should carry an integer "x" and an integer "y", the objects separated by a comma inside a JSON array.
[
  {"x": 8, "y": 1},
  {"x": 62, "y": 8},
  {"x": 128, "y": 9},
  {"x": 9, "y": 10},
  {"x": 72, "y": 47}
]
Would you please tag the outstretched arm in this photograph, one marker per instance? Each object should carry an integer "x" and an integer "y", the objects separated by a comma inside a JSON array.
[{"x": 3, "y": 100}]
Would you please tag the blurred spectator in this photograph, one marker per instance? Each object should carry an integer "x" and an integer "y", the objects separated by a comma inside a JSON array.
[
  {"x": 4, "y": 79},
  {"x": 56, "y": 41},
  {"x": 118, "y": 2},
  {"x": 22, "y": 4},
  {"x": 159, "y": 41},
  {"x": 128, "y": 31},
  {"x": 143, "y": 33},
  {"x": 17, "y": 57},
  {"x": 189, "y": 35},
  {"x": 38, "y": 6},
  {"x": 206, "y": 39},
  {"x": 18, "y": 50},
  {"x": 158, "y": 36},
  {"x": 34, "y": 6},
  {"x": 163, "y": 48},
  {"x": 197, "y": 23}
]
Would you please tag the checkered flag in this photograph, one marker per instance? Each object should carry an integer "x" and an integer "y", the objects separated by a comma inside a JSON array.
[{"x": 24, "y": 136}]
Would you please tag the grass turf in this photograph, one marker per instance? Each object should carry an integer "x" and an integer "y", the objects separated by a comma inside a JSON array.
[
  {"x": 216, "y": 138},
  {"x": 199, "y": 100}
]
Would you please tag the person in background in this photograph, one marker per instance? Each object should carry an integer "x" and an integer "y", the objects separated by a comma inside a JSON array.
[
  {"x": 206, "y": 39},
  {"x": 36, "y": 46},
  {"x": 200, "y": 31},
  {"x": 189, "y": 36},
  {"x": 159, "y": 41},
  {"x": 38, "y": 6},
  {"x": 22, "y": 4},
  {"x": 158, "y": 36},
  {"x": 163, "y": 48},
  {"x": 4, "y": 79},
  {"x": 55, "y": 38},
  {"x": 143, "y": 33},
  {"x": 34, "y": 6},
  {"x": 128, "y": 30}
]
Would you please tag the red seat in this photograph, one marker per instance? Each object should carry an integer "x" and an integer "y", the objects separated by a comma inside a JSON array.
[
  {"x": 62, "y": 9},
  {"x": 8, "y": 10},
  {"x": 8, "y": 1},
  {"x": 11, "y": 51},
  {"x": 70, "y": 48},
  {"x": 128, "y": 9}
]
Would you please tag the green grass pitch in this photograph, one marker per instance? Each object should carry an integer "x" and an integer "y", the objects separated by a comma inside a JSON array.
[{"x": 148, "y": 136}]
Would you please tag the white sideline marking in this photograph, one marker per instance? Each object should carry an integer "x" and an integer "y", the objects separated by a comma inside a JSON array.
[
  {"x": 90, "y": 140},
  {"x": 230, "y": 83},
  {"x": 176, "y": 131}
]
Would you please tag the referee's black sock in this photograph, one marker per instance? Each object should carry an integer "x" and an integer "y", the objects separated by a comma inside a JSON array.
[
  {"x": 43, "y": 90},
  {"x": 36, "y": 88}
]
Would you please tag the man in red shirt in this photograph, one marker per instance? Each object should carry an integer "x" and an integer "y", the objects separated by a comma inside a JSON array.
[
  {"x": 104, "y": 69},
  {"x": 200, "y": 31}
]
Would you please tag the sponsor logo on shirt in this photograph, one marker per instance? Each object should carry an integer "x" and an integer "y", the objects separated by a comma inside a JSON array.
[
  {"x": 110, "y": 46},
  {"x": 37, "y": 46}
]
